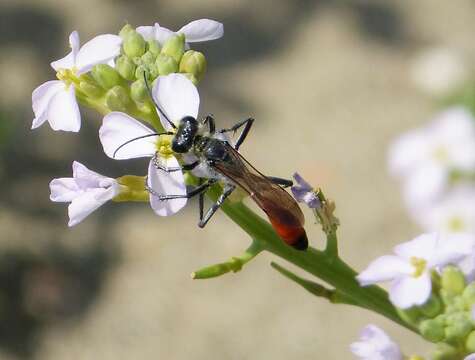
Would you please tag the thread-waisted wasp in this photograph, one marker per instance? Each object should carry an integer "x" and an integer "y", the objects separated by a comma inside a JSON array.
[{"x": 219, "y": 161}]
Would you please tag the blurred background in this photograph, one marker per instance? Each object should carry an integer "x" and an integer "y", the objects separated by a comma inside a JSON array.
[{"x": 330, "y": 84}]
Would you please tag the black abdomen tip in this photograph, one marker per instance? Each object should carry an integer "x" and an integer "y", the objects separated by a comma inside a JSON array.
[{"x": 301, "y": 243}]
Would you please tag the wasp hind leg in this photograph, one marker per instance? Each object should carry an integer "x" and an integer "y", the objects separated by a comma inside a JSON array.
[
  {"x": 196, "y": 191},
  {"x": 228, "y": 189},
  {"x": 285, "y": 183}
]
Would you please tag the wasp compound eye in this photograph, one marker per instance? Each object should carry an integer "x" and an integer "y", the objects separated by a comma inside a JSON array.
[{"x": 185, "y": 134}]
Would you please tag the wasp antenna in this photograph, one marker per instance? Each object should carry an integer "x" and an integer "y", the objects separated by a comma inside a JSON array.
[
  {"x": 138, "y": 138},
  {"x": 162, "y": 113}
]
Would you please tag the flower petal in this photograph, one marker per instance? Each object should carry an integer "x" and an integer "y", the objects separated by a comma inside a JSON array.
[
  {"x": 409, "y": 291},
  {"x": 202, "y": 30},
  {"x": 374, "y": 344},
  {"x": 41, "y": 98},
  {"x": 452, "y": 248},
  {"x": 119, "y": 128},
  {"x": 385, "y": 268},
  {"x": 162, "y": 34},
  {"x": 63, "y": 111},
  {"x": 63, "y": 190},
  {"x": 176, "y": 97},
  {"x": 425, "y": 185},
  {"x": 423, "y": 247},
  {"x": 68, "y": 62},
  {"x": 86, "y": 178},
  {"x": 407, "y": 152},
  {"x": 99, "y": 50},
  {"x": 86, "y": 203},
  {"x": 470, "y": 357},
  {"x": 147, "y": 32},
  {"x": 164, "y": 183}
]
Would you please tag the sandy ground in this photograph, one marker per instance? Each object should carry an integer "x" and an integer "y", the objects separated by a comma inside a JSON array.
[{"x": 328, "y": 83}]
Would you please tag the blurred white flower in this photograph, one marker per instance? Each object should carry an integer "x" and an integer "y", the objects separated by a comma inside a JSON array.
[
  {"x": 424, "y": 157},
  {"x": 375, "y": 344},
  {"x": 470, "y": 357},
  {"x": 409, "y": 270},
  {"x": 55, "y": 100},
  {"x": 455, "y": 212},
  {"x": 438, "y": 71},
  {"x": 195, "y": 31},
  {"x": 123, "y": 137},
  {"x": 86, "y": 191}
]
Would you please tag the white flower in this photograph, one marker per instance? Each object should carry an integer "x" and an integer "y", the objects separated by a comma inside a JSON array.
[
  {"x": 195, "y": 31},
  {"x": 409, "y": 270},
  {"x": 439, "y": 70},
  {"x": 86, "y": 191},
  {"x": 177, "y": 97},
  {"x": 455, "y": 212},
  {"x": 55, "y": 101},
  {"x": 470, "y": 357},
  {"x": 423, "y": 158},
  {"x": 375, "y": 344}
]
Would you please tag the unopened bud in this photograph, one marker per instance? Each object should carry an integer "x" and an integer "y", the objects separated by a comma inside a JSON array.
[
  {"x": 432, "y": 307},
  {"x": 106, "y": 76},
  {"x": 411, "y": 315},
  {"x": 138, "y": 91},
  {"x": 154, "y": 47},
  {"x": 192, "y": 78},
  {"x": 133, "y": 44},
  {"x": 165, "y": 64},
  {"x": 453, "y": 280},
  {"x": 148, "y": 59},
  {"x": 88, "y": 86},
  {"x": 193, "y": 62},
  {"x": 432, "y": 330},
  {"x": 175, "y": 47},
  {"x": 125, "y": 67},
  {"x": 125, "y": 30},
  {"x": 445, "y": 352},
  {"x": 117, "y": 99},
  {"x": 141, "y": 72},
  {"x": 469, "y": 294},
  {"x": 470, "y": 342},
  {"x": 459, "y": 325}
]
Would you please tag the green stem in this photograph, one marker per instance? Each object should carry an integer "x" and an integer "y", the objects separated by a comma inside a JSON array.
[{"x": 333, "y": 271}]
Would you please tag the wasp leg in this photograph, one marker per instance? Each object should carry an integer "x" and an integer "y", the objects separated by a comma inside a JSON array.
[
  {"x": 156, "y": 163},
  {"x": 279, "y": 181},
  {"x": 243, "y": 135},
  {"x": 228, "y": 189},
  {"x": 209, "y": 119},
  {"x": 201, "y": 202},
  {"x": 197, "y": 190}
]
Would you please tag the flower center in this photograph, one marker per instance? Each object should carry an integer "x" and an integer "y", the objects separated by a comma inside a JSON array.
[
  {"x": 456, "y": 224},
  {"x": 164, "y": 146},
  {"x": 441, "y": 154},
  {"x": 68, "y": 76},
  {"x": 419, "y": 266}
]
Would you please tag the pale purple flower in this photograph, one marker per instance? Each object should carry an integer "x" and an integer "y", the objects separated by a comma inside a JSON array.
[
  {"x": 375, "y": 344},
  {"x": 86, "y": 191},
  {"x": 195, "y": 31},
  {"x": 55, "y": 100},
  {"x": 177, "y": 97},
  {"x": 409, "y": 269},
  {"x": 424, "y": 157},
  {"x": 303, "y": 192}
]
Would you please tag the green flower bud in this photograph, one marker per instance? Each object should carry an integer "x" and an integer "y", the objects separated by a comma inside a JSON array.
[
  {"x": 106, "y": 76},
  {"x": 415, "y": 357},
  {"x": 470, "y": 342},
  {"x": 140, "y": 71},
  {"x": 410, "y": 316},
  {"x": 445, "y": 352},
  {"x": 134, "y": 44},
  {"x": 125, "y": 30},
  {"x": 192, "y": 78},
  {"x": 432, "y": 330},
  {"x": 175, "y": 47},
  {"x": 165, "y": 64},
  {"x": 432, "y": 307},
  {"x": 154, "y": 47},
  {"x": 469, "y": 294},
  {"x": 88, "y": 86},
  {"x": 148, "y": 59},
  {"x": 453, "y": 280},
  {"x": 125, "y": 67},
  {"x": 138, "y": 91},
  {"x": 459, "y": 325},
  {"x": 132, "y": 189},
  {"x": 193, "y": 62},
  {"x": 117, "y": 99}
]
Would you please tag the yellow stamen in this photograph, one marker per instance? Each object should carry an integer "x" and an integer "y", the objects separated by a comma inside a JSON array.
[
  {"x": 456, "y": 224},
  {"x": 441, "y": 154},
  {"x": 164, "y": 146},
  {"x": 419, "y": 266}
]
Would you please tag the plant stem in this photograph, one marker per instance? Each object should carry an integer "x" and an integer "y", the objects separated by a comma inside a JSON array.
[{"x": 332, "y": 270}]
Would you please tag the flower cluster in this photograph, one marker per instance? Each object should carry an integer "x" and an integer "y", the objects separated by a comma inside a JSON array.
[{"x": 123, "y": 77}]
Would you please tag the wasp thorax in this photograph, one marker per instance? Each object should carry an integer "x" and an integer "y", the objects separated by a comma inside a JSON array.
[{"x": 185, "y": 134}]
